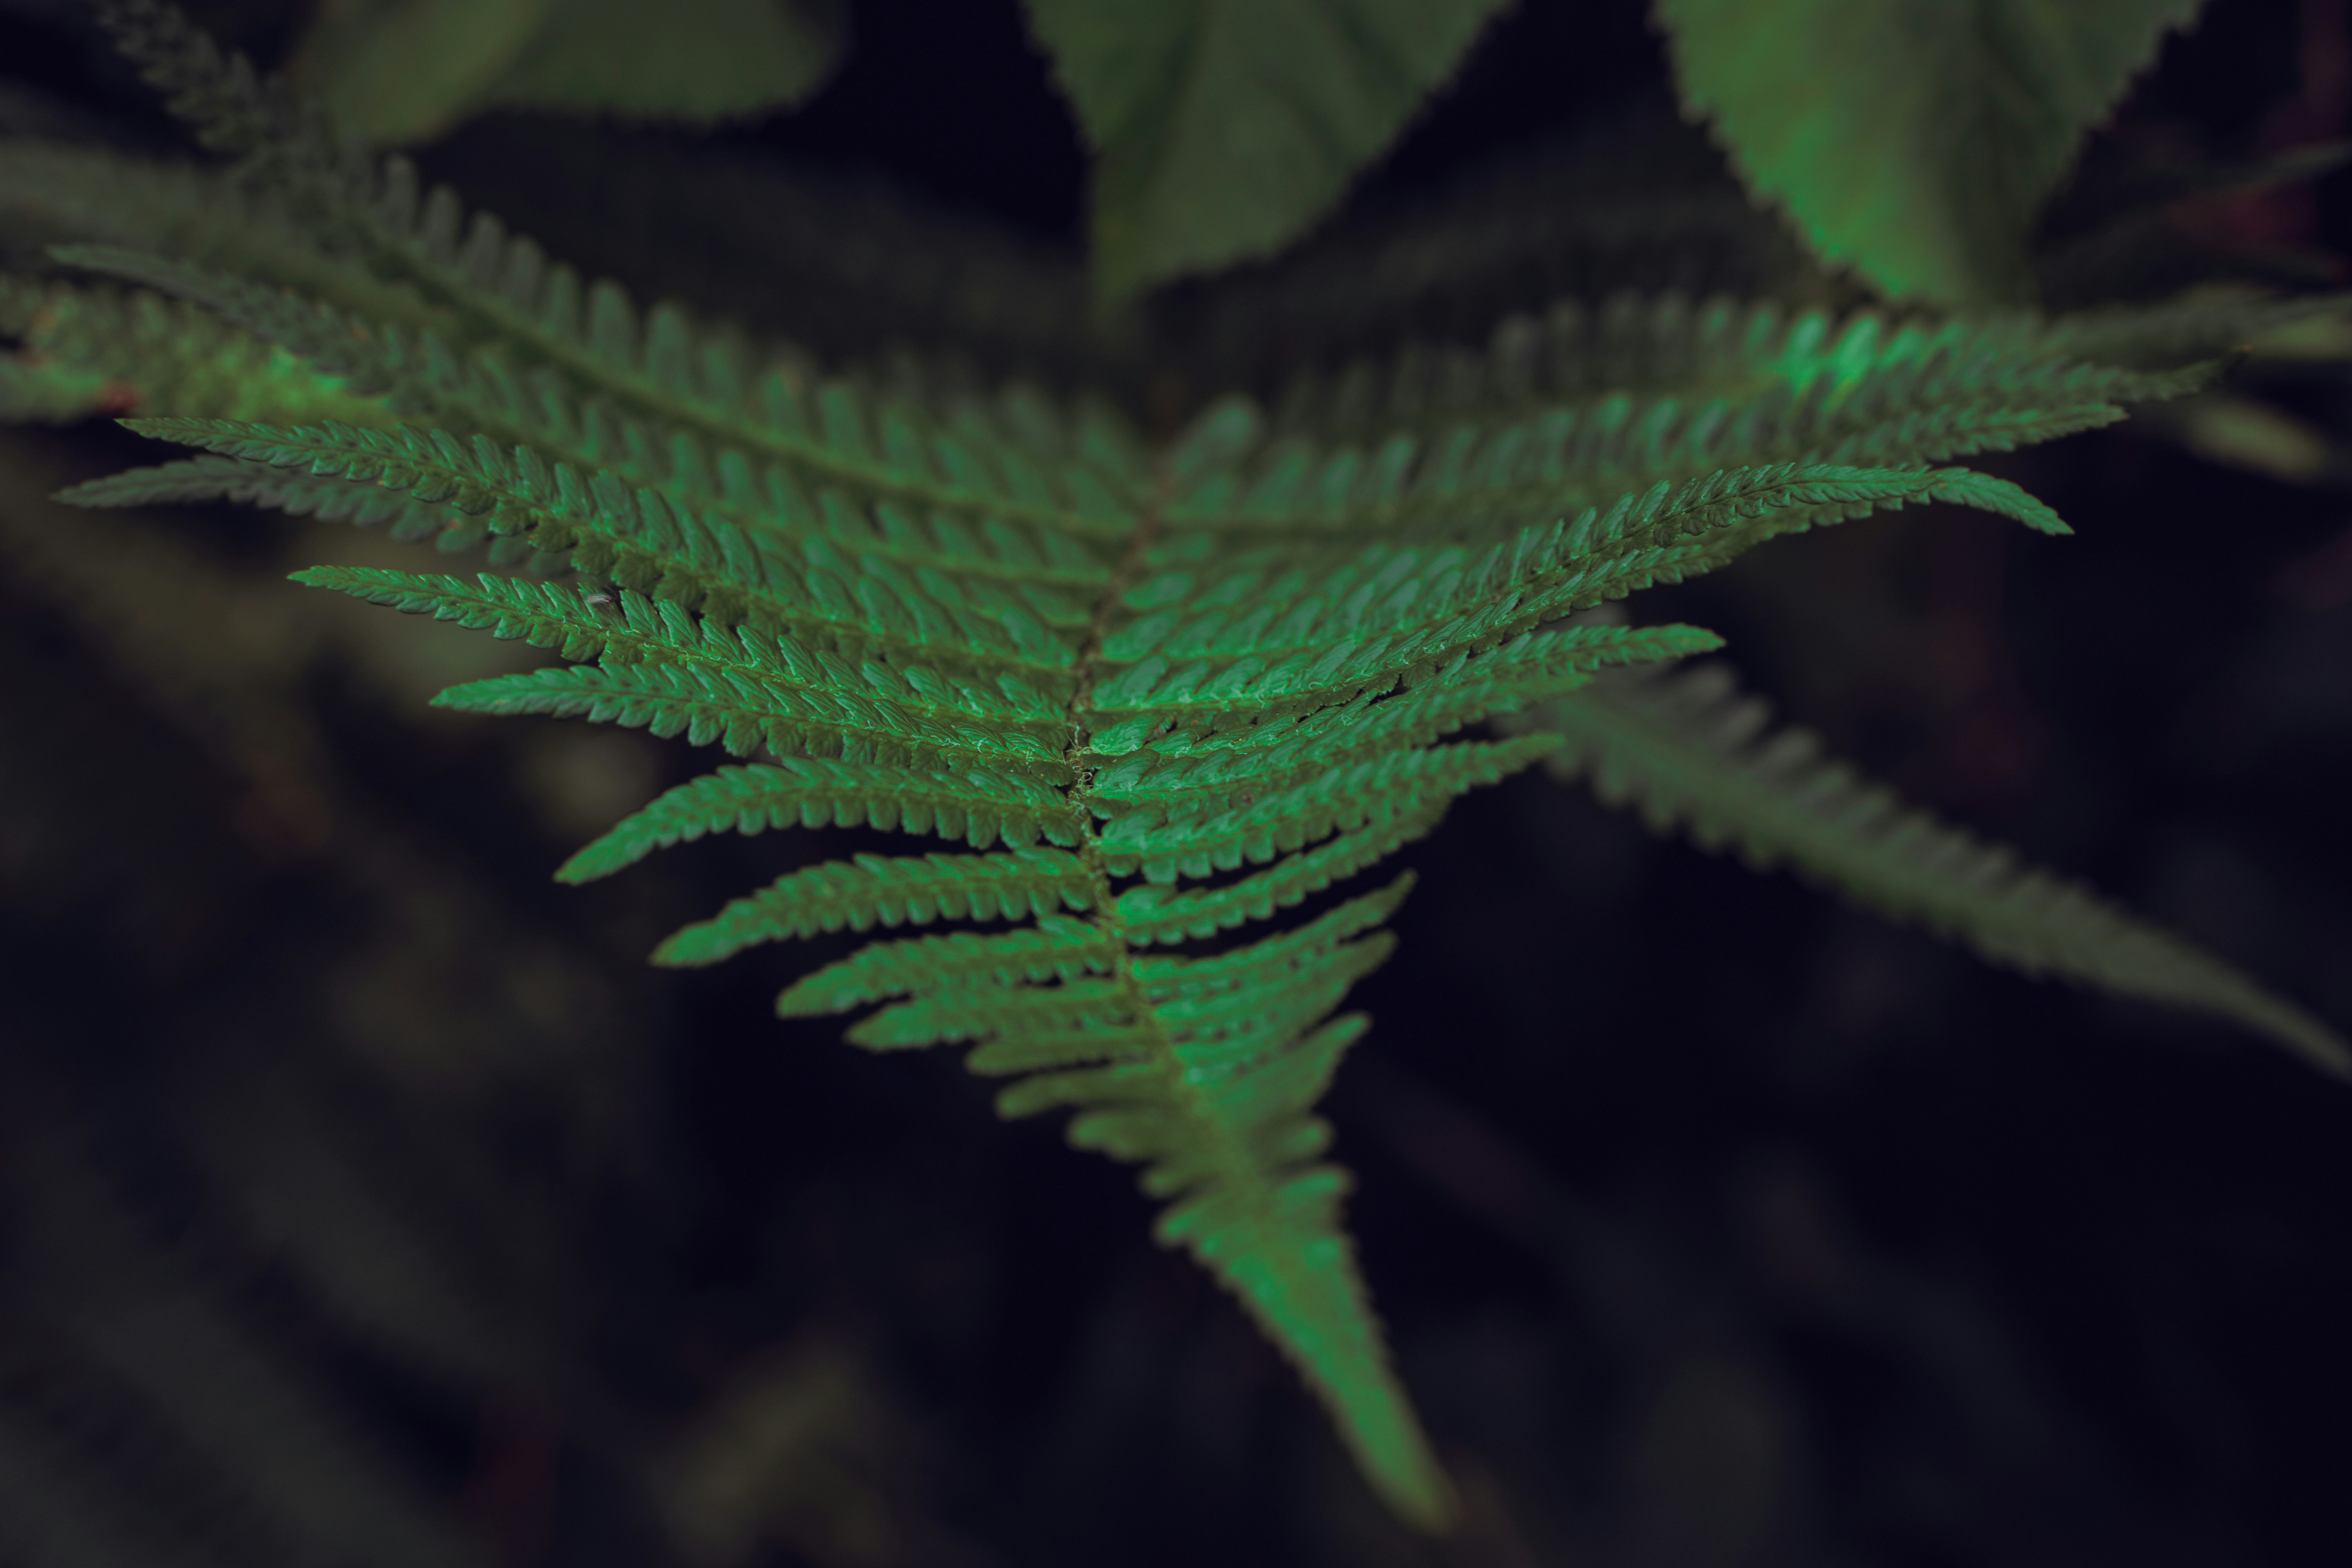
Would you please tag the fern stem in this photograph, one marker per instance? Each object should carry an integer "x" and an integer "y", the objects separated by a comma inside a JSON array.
[{"x": 1303, "y": 1290}]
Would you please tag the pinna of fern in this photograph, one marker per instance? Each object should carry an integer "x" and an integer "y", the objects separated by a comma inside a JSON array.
[{"x": 1152, "y": 692}]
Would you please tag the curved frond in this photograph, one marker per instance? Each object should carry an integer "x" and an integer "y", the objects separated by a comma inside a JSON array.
[
  {"x": 1693, "y": 756},
  {"x": 981, "y": 806},
  {"x": 327, "y": 497},
  {"x": 874, "y": 890}
]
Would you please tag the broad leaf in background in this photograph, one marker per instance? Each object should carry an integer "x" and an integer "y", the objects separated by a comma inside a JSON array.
[
  {"x": 676, "y": 60},
  {"x": 405, "y": 71},
  {"x": 1913, "y": 139},
  {"x": 1223, "y": 129},
  {"x": 401, "y": 71}
]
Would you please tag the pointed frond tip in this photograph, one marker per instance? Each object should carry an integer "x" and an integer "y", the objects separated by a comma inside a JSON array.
[
  {"x": 1691, "y": 756},
  {"x": 704, "y": 560},
  {"x": 1204, "y": 1072},
  {"x": 215, "y": 93},
  {"x": 404, "y": 518}
]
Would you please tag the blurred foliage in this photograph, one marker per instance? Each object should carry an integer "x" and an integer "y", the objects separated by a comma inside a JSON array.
[
  {"x": 399, "y": 72},
  {"x": 1222, "y": 128}
]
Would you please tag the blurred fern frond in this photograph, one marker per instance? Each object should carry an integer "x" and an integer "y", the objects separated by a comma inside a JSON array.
[{"x": 1691, "y": 756}]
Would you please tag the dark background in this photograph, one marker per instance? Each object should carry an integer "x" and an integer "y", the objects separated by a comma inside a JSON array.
[{"x": 365, "y": 1187}]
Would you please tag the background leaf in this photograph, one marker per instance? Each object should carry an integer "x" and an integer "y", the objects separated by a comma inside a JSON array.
[
  {"x": 680, "y": 60},
  {"x": 1913, "y": 142},
  {"x": 1225, "y": 128},
  {"x": 408, "y": 71}
]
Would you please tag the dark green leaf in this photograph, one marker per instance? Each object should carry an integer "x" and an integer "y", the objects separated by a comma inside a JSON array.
[
  {"x": 1913, "y": 139},
  {"x": 408, "y": 71},
  {"x": 1225, "y": 128}
]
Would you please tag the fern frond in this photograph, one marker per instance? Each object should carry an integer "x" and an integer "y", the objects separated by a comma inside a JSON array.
[
  {"x": 1106, "y": 667},
  {"x": 658, "y": 367},
  {"x": 205, "y": 216},
  {"x": 874, "y": 890},
  {"x": 1271, "y": 639},
  {"x": 1481, "y": 477},
  {"x": 1204, "y": 1072},
  {"x": 1214, "y": 771},
  {"x": 637, "y": 539},
  {"x": 769, "y": 448},
  {"x": 742, "y": 703},
  {"x": 214, "y": 92},
  {"x": 1153, "y": 913},
  {"x": 1833, "y": 376},
  {"x": 1004, "y": 584},
  {"x": 2200, "y": 326},
  {"x": 981, "y": 806},
  {"x": 1692, "y": 755},
  {"x": 329, "y": 499},
  {"x": 544, "y": 615},
  {"x": 1055, "y": 948},
  {"x": 1211, "y": 838},
  {"x": 82, "y": 351}
]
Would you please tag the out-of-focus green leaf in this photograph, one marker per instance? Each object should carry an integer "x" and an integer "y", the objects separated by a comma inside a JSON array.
[
  {"x": 1225, "y": 128},
  {"x": 676, "y": 60},
  {"x": 407, "y": 70},
  {"x": 1913, "y": 139},
  {"x": 400, "y": 71}
]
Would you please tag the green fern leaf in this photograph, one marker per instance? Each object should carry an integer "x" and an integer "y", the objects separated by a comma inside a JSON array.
[
  {"x": 1162, "y": 691},
  {"x": 1055, "y": 948},
  {"x": 83, "y": 351},
  {"x": 1152, "y": 914},
  {"x": 1209, "y": 839},
  {"x": 1692, "y": 755},
  {"x": 981, "y": 806},
  {"x": 214, "y": 92},
  {"x": 330, "y": 499},
  {"x": 1213, "y": 772},
  {"x": 544, "y": 615},
  {"x": 1204, "y": 1072},
  {"x": 875, "y": 890},
  {"x": 637, "y": 539}
]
